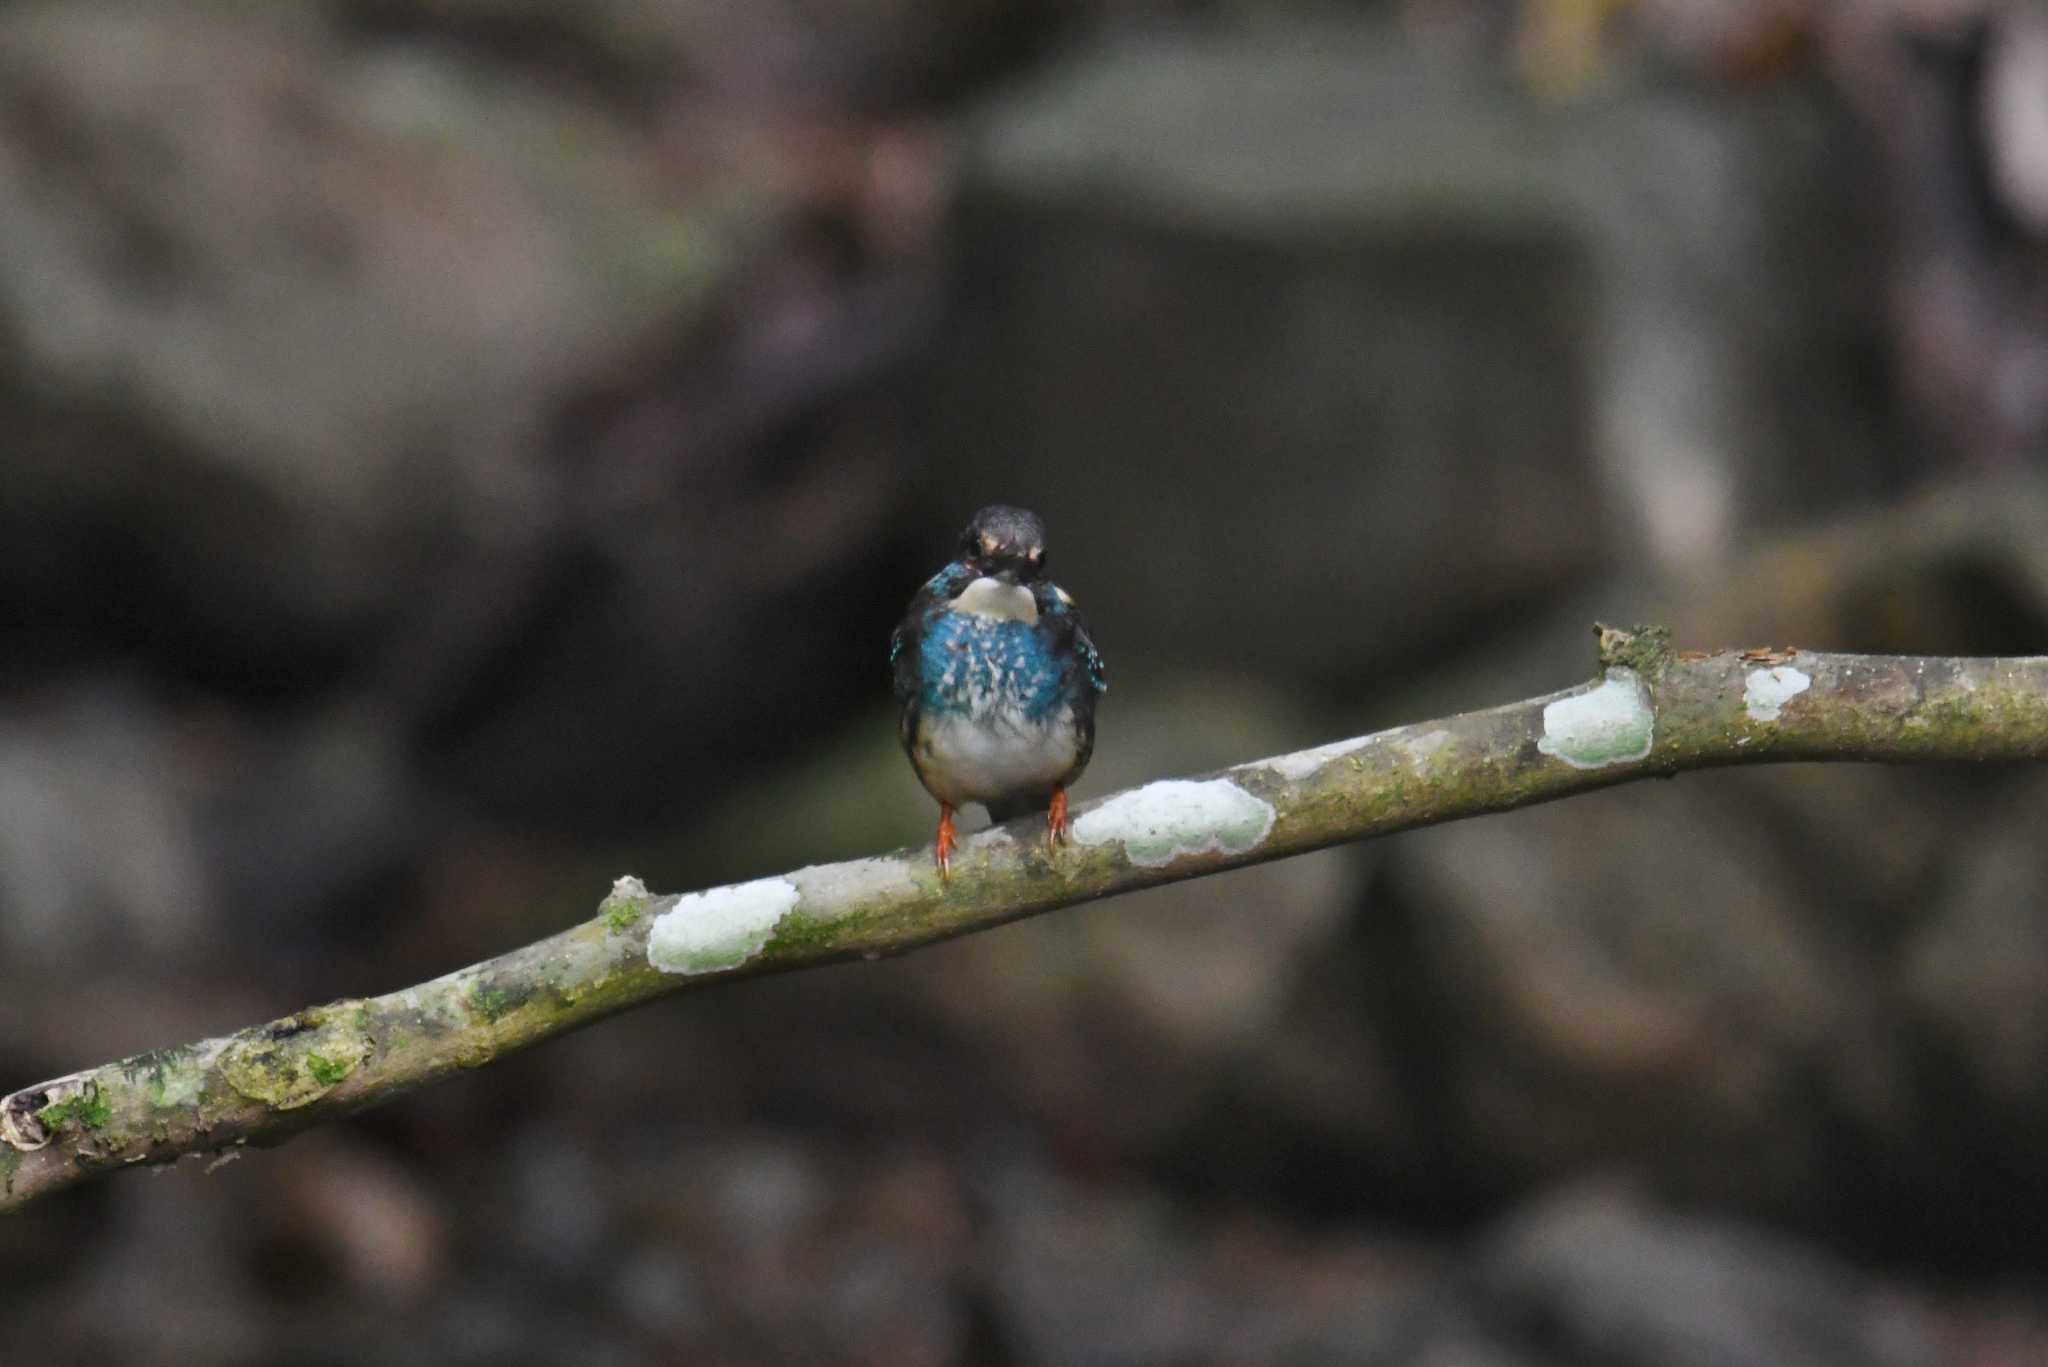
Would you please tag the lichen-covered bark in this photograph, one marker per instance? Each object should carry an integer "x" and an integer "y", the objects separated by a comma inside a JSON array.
[{"x": 1660, "y": 713}]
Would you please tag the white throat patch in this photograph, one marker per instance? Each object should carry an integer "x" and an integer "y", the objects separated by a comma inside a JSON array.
[{"x": 987, "y": 597}]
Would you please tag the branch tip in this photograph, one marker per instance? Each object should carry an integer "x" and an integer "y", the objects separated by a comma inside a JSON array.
[{"x": 21, "y": 1127}]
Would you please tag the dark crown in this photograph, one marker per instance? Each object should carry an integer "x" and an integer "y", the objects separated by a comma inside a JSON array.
[{"x": 1002, "y": 537}]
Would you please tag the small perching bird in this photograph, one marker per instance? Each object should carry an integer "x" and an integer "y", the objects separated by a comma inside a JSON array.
[{"x": 997, "y": 680}]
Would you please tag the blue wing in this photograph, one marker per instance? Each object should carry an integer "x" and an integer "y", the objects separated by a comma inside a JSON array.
[
  {"x": 1055, "y": 606},
  {"x": 1098, "y": 673},
  {"x": 908, "y": 637}
]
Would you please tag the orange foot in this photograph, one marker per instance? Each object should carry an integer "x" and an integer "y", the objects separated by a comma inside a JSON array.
[
  {"x": 1057, "y": 827},
  {"x": 947, "y": 843}
]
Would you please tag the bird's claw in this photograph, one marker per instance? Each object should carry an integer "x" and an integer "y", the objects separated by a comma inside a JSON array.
[
  {"x": 947, "y": 842},
  {"x": 1058, "y": 829}
]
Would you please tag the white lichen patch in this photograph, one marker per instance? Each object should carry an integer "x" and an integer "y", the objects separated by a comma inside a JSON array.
[
  {"x": 438, "y": 1001},
  {"x": 1420, "y": 749},
  {"x": 1766, "y": 691},
  {"x": 720, "y": 928},
  {"x": 1610, "y": 723},
  {"x": 830, "y": 890},
  {"x": 177, "y": 1086},
  {"x": 990, "y": 838},
  {"x": 1160, "y": 822},
  {"x": 1302, "y": 763},
  {"x": 628, "y": 888}
]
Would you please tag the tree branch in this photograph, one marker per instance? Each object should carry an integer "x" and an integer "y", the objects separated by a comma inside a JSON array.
[{"x": 1649, "y": 714}]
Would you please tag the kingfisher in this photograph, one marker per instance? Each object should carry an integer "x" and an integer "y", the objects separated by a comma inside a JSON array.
[{"x": 997, "y": 680}]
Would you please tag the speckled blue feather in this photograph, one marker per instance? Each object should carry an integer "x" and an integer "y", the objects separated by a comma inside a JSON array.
[{"x": 973, "y": 666}]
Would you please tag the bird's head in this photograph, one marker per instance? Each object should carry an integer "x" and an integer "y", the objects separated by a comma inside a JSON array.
[{"x": 1005, "y": 544}]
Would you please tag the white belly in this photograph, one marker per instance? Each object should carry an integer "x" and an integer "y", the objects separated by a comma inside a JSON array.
[{"x": 965, "y": 761}]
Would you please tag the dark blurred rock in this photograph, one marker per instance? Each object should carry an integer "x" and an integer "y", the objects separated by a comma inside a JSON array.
[
  {"x": 795, "y": 1255},
  {"x": 1772, "y": 990},
  {"x": 1086, "y": 1276},
  {"x": 1978, "y": 962},
  {"x": 347, "y": 1221},
  {"x": 1604, "y": 991},
  {"x": 1973, "y": 977},
  {"x": 1949, "y": 96},
  {"x": 390, "y": 382},
  {"x": 1597, "y": 1275},
  {"x": 285, "y": 322},
  {"x": 772, "y": 53},
  {"x": 2016, "y": 116},
  {"x": 1517, "y": 999},
  {"x": 1313, "y": 327},
  {"x": 380, "y": 389},
  {"x": 99, "y": 839}
]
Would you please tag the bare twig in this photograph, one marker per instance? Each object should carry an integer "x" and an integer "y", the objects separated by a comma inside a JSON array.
[{"x": 1649, "y": 713}]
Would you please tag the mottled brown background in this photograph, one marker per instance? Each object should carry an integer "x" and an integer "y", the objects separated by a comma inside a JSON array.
[{"x": 458, "y": 451}]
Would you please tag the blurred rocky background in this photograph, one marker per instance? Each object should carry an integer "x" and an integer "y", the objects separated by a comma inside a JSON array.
[{"x": 458, "y": 451}]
